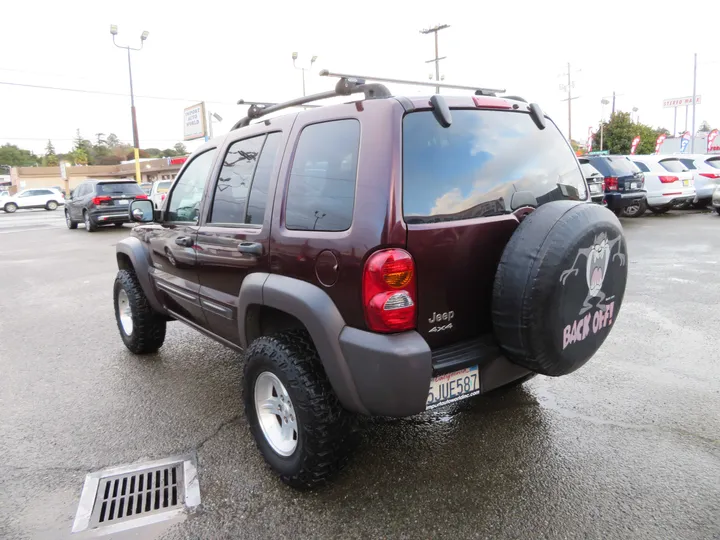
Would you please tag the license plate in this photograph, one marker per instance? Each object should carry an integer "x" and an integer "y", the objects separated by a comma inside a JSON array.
[
  {"x": 453, "y": 386},
  {"x": 594, "y": 188},
  {"x": 686, "y": 183},
  {"x": 634, "y": 185},
  {"x": 123, "y": 201}
]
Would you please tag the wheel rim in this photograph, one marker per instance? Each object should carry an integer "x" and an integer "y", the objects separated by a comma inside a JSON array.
[
  {"x": 10, "y": 208},
  {"x": 276, "y": 414},
  {"x": 87, "y": 221},
  {"x": 632, "y": 210},
  {"x": 124, "y": 312},
  {"x": 52, "y": 205}
]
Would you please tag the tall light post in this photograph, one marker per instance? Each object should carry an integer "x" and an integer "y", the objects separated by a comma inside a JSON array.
[
  {"x": 211, "y": 116},
  {"x": 312, "y": 61},
  {"x": 136, "y": 143},
  {"x": 603, "y": 102},
  {"x": 635, "y": 118},
  {"x": 434, "y": 30}
]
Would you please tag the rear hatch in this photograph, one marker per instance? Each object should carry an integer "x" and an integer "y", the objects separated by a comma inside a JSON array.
[
  {"x": 593, "y": 177},
  {"x": 679, "y": 179},
  {"x": 115, "y": 195},
  {"x": 621, "y": 174},
  {"x": 461, "y": 185}
]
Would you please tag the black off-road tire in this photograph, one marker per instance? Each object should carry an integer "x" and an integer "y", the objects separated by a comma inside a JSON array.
[
  {"x": 89, "y": 225},
  {"x": 701, "y": 205},
  {"x": 325, "y": 428},
  {"x": 659, "y": 209},
  {"x": 10, "y": 208},
  {"x": 717, "y": 210},
  {"x": 71, "y": 224},
  {"x": 148, "y": 333}
]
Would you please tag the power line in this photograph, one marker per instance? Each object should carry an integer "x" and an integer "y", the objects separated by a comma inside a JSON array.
[{"x": 101, "y": 92}]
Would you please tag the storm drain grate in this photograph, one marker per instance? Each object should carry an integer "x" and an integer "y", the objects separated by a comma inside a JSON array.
[{"x": 137, "y": 495}]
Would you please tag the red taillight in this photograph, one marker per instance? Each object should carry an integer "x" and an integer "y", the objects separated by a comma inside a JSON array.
[
  {"x": 389, "y": 291},
  {"x": 100, "y": 200},
  {"x": 143, "y": 196},
  {"x": 710, "y": 175},
  {"x": 611, "y": 183},
  {"x": 162, "y": 198},
  {"x": 491, "y": 102},
  {"x": 668, "y": 179}
]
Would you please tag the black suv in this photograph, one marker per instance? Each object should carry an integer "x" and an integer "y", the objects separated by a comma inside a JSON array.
[
  {"x": 379, "y": 257},
  {"x": 101, "y": 202},
  {"x": 624, "y": 182}
]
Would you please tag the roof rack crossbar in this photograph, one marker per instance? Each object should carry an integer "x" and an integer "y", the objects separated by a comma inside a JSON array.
[
  {"x": 433, "y": 84},
  {"x": 344, "y": 87}
]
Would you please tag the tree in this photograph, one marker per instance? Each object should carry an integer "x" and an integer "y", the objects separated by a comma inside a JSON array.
[
  {"x": 168, "y": 152},
  {"x": 79, "y": 156},
  {"x": 100, "y": 140},
  {"x": 51, "y": 159},
  {"x": 13, "y": 156},
  {"x": 619, "y": 132},
  {"x": 180, "y": 149},
  {"x": 704, "y": 127},
  {"x": 112, "y": 141}
]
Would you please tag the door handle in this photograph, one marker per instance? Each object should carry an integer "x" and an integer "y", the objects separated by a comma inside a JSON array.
[
  {"x": 185, "y": 241},
  {"x": 251, "y": 248}
]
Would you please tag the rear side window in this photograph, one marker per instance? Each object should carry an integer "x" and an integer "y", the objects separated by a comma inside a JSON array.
[
  {"x": 261, "y": 180},
  {"x": 673, "y": 165},
  {"x": 713, "y": 162},
  {"x": 689, "y": 163},
  {"x": 119, "y": 188},
  {"x": 640, "y": 165},
  {"x": 321, "y": 193},
  {"x": 476, "y": 166}
]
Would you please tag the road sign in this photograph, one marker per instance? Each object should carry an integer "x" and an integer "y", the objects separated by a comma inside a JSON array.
[
  {"x": 599, "y": 153},
  {"x": 63, "y": 171},
  {"x": 195, "y": 125},
  {"x": 680, "y": 102}
]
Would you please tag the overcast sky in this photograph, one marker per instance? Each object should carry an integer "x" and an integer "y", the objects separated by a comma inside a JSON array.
[{"x": 221, "y": 52}]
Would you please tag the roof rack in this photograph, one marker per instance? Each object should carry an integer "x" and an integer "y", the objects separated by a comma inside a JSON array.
[
  {"x": 478, "y": 91},
  {"x": 344, "y": 87}
]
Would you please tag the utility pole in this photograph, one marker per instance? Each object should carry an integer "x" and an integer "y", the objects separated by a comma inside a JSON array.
[
  {"x": 434, "y": 30},
  {"x": 692, "y": 138},
  {"x": 569, "y": 86},
  {"x": 613, "y": 107}
]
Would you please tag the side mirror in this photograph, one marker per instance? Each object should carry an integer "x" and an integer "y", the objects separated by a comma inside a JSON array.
[{"x": 141, "y": 211}]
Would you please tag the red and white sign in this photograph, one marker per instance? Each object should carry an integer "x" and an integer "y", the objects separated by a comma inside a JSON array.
[
  {"x": 711, "y": 138},
  {"x": 658, "y": 143},
  {"x": 634, "y": 145},
  {"x": 680, "y": 102}
]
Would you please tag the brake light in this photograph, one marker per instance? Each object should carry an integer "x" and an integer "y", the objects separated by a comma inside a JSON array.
[
  {"x": 143, "y": 196},
  {"x": 162, "y": 197},
  {"x": 389, "y": 291},
  {"x": 668, "y": 179},
  {"x": 100, "y": 200},
  {"x": 611, "y": 183},
  {"x": 710, "y": 175},
  {"x": 491, "y": 102}
]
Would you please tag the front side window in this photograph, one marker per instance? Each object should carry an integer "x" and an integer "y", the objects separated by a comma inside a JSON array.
[
  {"x": 321, "y": 192},
  {"x": 28, "y": 193},
  {"x": 475, "y": 167},
  {"x": 233, "y": 185},
  {"x": 187, "y": 195}
]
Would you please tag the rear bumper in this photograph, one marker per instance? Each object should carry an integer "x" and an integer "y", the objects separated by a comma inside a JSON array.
[
  {"x": 617, "y": 201},
  {"x": 110, "y": 216},
  {"x": 392, "y": 373},
  {"x": 671, "y": 197}
]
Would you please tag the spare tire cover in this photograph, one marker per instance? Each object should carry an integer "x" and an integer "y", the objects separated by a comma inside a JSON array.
[{"x": 559, "y": 286}]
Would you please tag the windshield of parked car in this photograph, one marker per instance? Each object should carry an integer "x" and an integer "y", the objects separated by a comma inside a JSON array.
[
  {"x": 474, "y": 167},
  {"x": 119, "y": 188},
  {"x": 673, "y": 165}
]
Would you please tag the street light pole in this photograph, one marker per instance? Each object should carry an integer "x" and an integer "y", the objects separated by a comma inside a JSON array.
[
  {"x": 312, "y": 61},
  {"x": 435, "y": 30},
  {"x": 136, "y": 142},
  {"x": 603, "y": 102},
  {"x": 692, "y": 138}
]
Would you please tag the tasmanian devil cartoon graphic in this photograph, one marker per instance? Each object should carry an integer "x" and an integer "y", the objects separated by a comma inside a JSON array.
[{"x": 598, "y": 258}]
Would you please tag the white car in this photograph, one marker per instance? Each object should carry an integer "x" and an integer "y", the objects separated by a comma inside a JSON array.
[
  {"x": 47, "y": 198},
  {"x": 159, "y": 192},
  {"x": 706, "y": 171},
  {"x": 668, "y": 182}
]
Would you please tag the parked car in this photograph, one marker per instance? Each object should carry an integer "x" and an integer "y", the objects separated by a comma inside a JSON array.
[
  {"x": 667, "y": 181},
  {"x": 595, "y": 181},
  {"x": 4, "y": 194},
  {"x": 624, "y": 183},
  {"x": 46, "y": 198},
  {"x": 706, "y": 173},
  {"x": 101, "y": 202},
  {"x": 716, "y": 199},
  {"x": 356, "y": 288},
  {"x": 146, "y": 187},
  {"x": 159, "y": 192}
]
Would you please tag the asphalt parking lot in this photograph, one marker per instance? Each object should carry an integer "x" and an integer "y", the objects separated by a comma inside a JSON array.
[{"x": 627, "y": 447}]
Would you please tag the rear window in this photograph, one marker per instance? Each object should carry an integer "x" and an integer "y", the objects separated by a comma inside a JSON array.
[
  {"x": 614, "y": 165},
  {"x": 673, "y": 165},
  {"x": 714, "y": 162},
  {"x": 119, "y": 188},
  {"x": 163, "y": 187},
  {"x": 689, "y": 163},
  {"x": 476, "y": 166},
  {"x": 588, "y": 170},
  {"x": 640, "y": 165}
]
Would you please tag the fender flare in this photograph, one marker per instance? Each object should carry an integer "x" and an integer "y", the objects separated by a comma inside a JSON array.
[
  {"x": 316, "y": 310},
  {"x": 139, "y": 257}
]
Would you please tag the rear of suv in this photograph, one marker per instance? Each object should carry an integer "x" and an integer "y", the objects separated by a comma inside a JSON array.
[
  {"x": 624, "y": 182},
  {"x": 381, "y": 257},
  {"x": 101, "y": 202}
]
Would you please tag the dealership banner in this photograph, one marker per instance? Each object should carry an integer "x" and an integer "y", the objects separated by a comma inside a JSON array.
[
  {"x": 634, "y": 145},
  {"x": 711, "y": 138},
  {"x": 658, "y": 143},
  {"x": 684, "y": 141}
]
